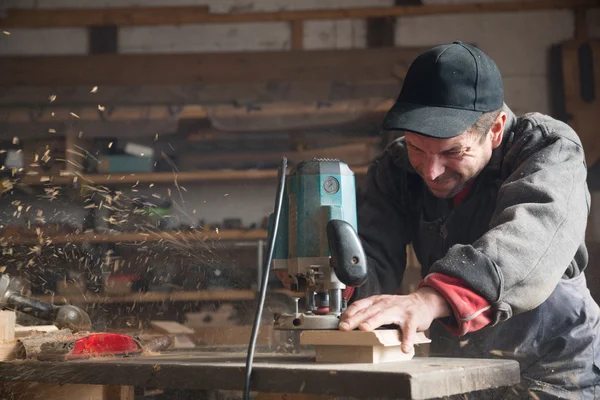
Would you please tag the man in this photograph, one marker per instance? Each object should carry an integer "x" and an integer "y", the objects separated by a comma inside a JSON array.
[{"x": 495, "y": 207}]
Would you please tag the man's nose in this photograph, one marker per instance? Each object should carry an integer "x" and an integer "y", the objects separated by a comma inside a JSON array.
[{"x": 433, "y": 168}]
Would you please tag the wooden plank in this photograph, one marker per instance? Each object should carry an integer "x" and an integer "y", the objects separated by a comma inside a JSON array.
[
  {"x": 183, "y": 342},
  {"x": 25, "y": 331},
  {"x": 381, "y": 337},
  {"x": 162, "y": 177},
  {"x": 140, "y": 237},
  {"x": 148, "y": 297},
  {"x": 37, "y": 18},
  {"x": 312, "y": 111},
  {"x": 170, "y": 327},
  {"x": 420, "y": 378},
  {"x": 355, "y": 65},
  {"x": 99, "y": 113}
]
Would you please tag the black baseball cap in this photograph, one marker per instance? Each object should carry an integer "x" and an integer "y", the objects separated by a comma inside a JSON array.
[{"x": 445, "y": 91}]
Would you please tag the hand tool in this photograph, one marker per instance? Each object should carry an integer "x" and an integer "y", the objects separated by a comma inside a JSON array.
[
  {"x": 67, "y": 316},
  {"x": 317, "y": 243}
]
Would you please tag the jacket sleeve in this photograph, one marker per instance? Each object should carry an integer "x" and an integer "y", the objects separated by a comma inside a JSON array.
[
  {"x": 537, "y": 230},
  {"x": 382, "y": 227}
]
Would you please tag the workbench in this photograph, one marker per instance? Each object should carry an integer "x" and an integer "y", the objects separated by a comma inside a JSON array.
[{"x": 419, "y": 378}]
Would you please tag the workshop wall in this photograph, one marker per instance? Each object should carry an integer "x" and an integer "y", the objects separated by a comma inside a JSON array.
[{"x": 520, "y": 51}]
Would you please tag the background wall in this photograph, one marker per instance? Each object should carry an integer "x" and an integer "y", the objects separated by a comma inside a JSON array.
[{"x": 518, "y": 42}]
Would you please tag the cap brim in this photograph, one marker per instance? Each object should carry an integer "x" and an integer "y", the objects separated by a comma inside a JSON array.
[{"x": 436, "y": 122}]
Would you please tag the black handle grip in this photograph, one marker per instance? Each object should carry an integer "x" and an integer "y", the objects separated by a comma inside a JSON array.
[
  {"x": 348, "y": 258},
  {"x": 32, "y": 307}
]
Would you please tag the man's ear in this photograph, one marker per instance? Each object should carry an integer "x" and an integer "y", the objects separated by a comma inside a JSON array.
[{"x": 497, "y": 130}]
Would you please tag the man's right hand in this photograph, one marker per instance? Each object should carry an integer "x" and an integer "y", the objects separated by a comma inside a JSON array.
[{"x": 413, "y": 313}]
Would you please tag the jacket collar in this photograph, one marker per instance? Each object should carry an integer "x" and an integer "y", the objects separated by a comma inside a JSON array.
[{"x": 507, "y": 137}]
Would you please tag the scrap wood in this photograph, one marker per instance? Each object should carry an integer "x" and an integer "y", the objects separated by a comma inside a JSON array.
[
  {"x": 171, "y": 327},
  {"x": 30, "y": 347},
  {"x": 35, "y": 330}
]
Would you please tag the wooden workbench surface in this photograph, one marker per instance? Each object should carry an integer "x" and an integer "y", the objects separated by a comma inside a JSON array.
[{"x": 419, "y": 378}]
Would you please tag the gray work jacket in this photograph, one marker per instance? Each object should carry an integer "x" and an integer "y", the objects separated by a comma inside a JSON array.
[
  {"x": 519, "y": 231},
  {"x": 517, "y": 240}
]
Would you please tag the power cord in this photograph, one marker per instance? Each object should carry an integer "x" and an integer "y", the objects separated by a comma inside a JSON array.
[{"x": 265, "y": 276}]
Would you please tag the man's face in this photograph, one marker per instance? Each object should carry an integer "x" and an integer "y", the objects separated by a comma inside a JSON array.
[{"x": 446, "y": 165}]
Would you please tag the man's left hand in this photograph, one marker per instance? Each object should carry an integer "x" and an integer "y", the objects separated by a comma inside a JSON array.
[{"x": 412, "y": 313}]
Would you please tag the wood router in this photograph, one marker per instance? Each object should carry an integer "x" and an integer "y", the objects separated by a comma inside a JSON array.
[{"x": 379, "y": 346}]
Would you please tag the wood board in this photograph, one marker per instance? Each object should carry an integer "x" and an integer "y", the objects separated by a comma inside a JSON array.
[
  {"x": 418, "y": 379},
  {"x": 379, "y": 346}
]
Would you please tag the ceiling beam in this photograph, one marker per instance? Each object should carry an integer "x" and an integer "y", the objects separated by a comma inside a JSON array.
[
  {"x": 134, "y": 16},
  {"x": 357, "y": 65}
]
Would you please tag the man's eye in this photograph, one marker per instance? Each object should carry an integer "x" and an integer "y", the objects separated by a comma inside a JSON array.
[
  {"x": 413, "y": 148},
  {"x": 456, "y": 153}
]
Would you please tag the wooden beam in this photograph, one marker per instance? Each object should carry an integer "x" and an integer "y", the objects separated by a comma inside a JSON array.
[
  {"x": 297, "y": 35},
  {"x": 14, "y": 115},
  {"x": 148, "y": 297},
  {"x": 161, "y": 177},
  {"x": 132, "y": 16},
  {"x": 199, "y": 93},
  {"x": 193, "y": 111},
  {"x": 353, "y": 154},
  {"x": 210, "y": 135},
  {"x": 356, "y": 65},
  {"x": 138, "y": 237}
]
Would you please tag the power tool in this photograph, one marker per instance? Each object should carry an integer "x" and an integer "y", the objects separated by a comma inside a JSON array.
[
  {"x": 67, "y": 316},
  {"x": 317, "y": 242}
]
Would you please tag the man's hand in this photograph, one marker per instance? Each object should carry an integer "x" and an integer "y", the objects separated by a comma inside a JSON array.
[{"x": 413, "y": 313}]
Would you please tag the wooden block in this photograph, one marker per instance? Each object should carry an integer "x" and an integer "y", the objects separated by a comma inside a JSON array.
[
  {"x": 382, "y": 337},
  {"x": 360, "y": 354},
  {"x": 171, "y": 327},
  {"x": 374, "y": 347},
  {"x": 183, "y": 342},
  {"x": 8, "y": 320}
]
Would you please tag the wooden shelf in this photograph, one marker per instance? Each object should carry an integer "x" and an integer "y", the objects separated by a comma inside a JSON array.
[
  {"x": 160, "y": 177},
  {"x": 226, "y": 234},
  {"x": 132, "y": 16},
  {"x": 149, "y": 297}
]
